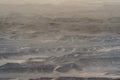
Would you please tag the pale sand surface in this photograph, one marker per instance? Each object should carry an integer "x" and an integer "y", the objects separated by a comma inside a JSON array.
[{"x": 56, "y": 74}]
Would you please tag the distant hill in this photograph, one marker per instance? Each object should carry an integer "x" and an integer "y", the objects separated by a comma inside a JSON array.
[
  {"x": 20, "y": 26},
  {"x": 28, "y": 21}
]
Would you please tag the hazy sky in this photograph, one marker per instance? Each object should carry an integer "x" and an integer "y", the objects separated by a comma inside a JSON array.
[
  {"x": 52, "y": 1},
  {"x": 31, "y": 1}
]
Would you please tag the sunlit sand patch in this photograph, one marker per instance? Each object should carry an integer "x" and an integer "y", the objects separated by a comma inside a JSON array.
[
  {"x": 109, "y": 49},
  {"x": 4, "y": 61}
]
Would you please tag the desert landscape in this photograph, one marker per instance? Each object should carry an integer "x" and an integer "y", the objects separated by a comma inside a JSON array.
[{"x": 60, "y": 40}]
